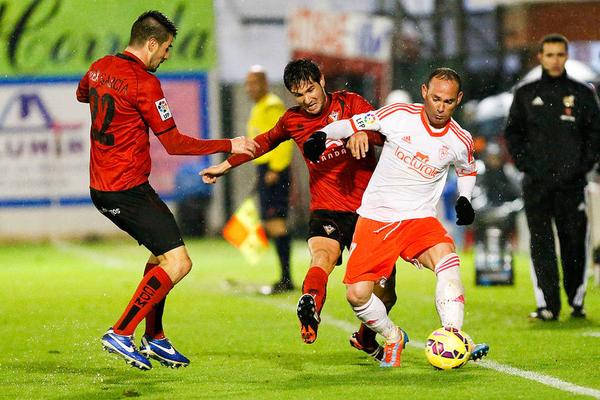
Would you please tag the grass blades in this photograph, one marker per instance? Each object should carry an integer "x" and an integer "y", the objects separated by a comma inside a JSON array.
[{"x": 58, "y": 299}]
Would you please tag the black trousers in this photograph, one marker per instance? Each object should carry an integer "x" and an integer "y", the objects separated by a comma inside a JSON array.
[{"x": 567, "y": 209}]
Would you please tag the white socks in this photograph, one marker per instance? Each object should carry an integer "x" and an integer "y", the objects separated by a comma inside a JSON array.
[
  {"x": 374, "y": 315},
  {"x": 449, "y": 292}
]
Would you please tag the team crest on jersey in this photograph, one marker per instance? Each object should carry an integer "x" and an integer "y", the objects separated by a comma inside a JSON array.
[
  {"x": 406, "y": 139},
  {"x": 333, "y": 116},
  {"x": 569, "y": 103},
  {"x": 443, "y": 152},
  {"x": 163, "y": 109}
]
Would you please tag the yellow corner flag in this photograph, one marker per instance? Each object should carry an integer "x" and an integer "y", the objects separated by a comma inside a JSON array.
[{"x": 244, "y": 231}]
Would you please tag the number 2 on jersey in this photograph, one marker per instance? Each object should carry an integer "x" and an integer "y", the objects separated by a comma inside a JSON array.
[{"x": 104, "y": 109}]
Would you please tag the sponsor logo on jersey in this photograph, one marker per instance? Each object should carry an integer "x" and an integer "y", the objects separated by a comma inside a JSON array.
[
  {"x": 422, "y": 157},
  {"x": 537, "y": 101},
  {"x": 406, "y": 139},
  {"x": 333, "y": 148},
  {"x": 417, "y": 163},
  {"x": 163, "y": 109}
]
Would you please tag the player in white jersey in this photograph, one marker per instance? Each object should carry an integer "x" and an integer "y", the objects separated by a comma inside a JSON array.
[{"x": 397, "y": 213}]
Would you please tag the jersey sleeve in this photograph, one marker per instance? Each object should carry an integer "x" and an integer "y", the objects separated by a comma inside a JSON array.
[
  {"x": 464, "y": 163},
  {"x": 83, "y": 89},
  {"x": 153, "y": 106},
  {"x": 267, "y": 141},
  {"x": 368, "y": 121}
]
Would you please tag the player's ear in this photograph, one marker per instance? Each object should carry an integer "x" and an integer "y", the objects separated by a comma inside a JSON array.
[
  {"x": 424, "y": 91},
  {"x": 459, "y": 97},
  {"x": 151, "y": 44},
  {"x": 322, "y": 81}
]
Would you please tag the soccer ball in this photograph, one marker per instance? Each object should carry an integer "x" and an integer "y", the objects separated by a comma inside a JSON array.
[{"x": 448, "y": 348}]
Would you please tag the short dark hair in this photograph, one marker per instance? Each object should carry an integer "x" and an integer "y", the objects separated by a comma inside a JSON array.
[
  {"x": 151, "y": 24},
  {"x": 447, "y": 74},
  {"x": 553, "y": 38},
  {"x": 301, "y": 70}
]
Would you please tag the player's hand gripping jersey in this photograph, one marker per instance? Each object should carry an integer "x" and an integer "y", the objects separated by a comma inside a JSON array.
[
  {"x": 337, "y": 180},
  {"x": 416, "y": 159},
  {"x": 125, "y": 101}
]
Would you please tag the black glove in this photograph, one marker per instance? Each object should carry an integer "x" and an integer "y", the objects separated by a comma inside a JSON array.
[
  {"x": 464, "y": 211},
  {"x": 314, "y": 146}
]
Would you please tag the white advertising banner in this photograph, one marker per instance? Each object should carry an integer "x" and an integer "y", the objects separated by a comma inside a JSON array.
[
  {"x": 44, "y": 143},
  {"x": 44, "y": 139},
  {"x": 353, "y": 36}
]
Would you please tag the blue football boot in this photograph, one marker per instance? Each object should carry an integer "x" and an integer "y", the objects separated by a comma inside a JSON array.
[
  {"x": 124, "y": 346},
  {"x": 163, "y": 351},
  {"x": 480, "y": 351}
]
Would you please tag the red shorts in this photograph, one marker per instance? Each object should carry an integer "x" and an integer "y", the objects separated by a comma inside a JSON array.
[{"x": 377, "y": 245}]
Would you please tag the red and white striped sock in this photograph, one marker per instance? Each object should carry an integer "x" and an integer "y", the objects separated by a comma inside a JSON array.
[{"x": 449, "y": 292}]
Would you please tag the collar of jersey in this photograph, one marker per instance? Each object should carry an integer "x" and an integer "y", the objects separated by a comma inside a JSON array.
[
  {"x": 134, "y": 58},
  {"x": 428, "y": 127}
]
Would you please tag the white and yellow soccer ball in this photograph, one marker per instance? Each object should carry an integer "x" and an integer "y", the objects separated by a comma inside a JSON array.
[{"x": 448, "y": 348}]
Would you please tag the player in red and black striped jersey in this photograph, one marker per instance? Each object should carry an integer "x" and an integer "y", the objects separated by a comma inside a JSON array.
[
  {"x": 337, "y": 183},
  {"x": 126, "y": 101}
]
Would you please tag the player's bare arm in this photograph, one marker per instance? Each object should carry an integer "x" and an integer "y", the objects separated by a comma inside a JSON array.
[{"x": 209, "y": 175}]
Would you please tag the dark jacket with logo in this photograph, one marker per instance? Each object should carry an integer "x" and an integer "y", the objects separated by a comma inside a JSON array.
[{"x": 553, "y": 131}]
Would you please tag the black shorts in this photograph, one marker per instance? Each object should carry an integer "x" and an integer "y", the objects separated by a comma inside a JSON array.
[
  {"x": 336, "y": 225},
  {"x": 142, "y": 214},
  {"x": 274, "y": 199}
]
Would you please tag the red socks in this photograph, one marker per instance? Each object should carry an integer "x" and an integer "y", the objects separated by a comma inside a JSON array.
[
  {"x": 315, "y": 283},
  {"x": 152, "y": 290},
  {"x": 154, "y": 328}
]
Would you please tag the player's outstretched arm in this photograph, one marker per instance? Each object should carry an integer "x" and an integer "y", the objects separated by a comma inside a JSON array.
[
  {"x": 209, "y": 175},
  {"x": 177, "y": 143}
]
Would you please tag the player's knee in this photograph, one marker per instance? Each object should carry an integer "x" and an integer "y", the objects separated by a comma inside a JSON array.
[
  {"x": 185, "y": 266},
  {"x": 357, "y": 296},
  {"x": 178, "y": 268}
]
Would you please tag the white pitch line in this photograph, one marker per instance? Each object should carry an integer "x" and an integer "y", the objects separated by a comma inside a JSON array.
[
  {"x": 486, "y": 363},
  {"x": 91, "y": 255},
  {"x": 591, "y": 334}
]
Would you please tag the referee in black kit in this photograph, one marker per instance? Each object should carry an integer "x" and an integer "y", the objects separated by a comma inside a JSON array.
[{"x": 552, "y": 133}]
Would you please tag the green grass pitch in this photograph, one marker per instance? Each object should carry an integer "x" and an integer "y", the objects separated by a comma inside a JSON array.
[{"x": 58, "y": 299}]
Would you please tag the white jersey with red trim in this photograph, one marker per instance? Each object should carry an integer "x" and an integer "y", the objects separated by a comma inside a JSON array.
[{"x": 414, "y": 163}]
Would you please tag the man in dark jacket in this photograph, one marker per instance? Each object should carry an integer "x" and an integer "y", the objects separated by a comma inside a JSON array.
[{"x": 552, "y": 133}]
